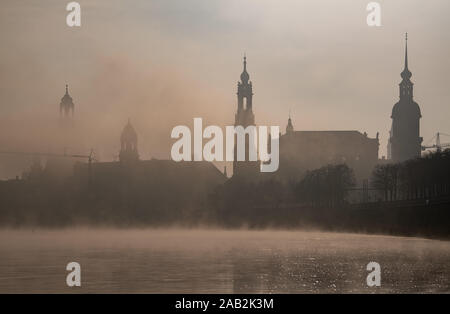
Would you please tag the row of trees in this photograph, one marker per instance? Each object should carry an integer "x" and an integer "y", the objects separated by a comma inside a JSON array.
[
  {"x": 148, "y": 199},
  {"x": 325, "y": 187},
  {"x": 265, "y": 202},
  {"x": 426, "y": 177}
]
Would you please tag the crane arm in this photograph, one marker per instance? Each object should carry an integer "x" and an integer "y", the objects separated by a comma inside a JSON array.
[{"x": 46, "y": 154}]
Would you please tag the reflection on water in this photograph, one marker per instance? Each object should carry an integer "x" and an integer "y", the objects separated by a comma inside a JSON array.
[{"x": 208, "y": 261}]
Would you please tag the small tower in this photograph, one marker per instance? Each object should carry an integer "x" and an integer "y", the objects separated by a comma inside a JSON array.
[
  {"x": 289, "y": 126},
  {"x": 405, "y": 137},
  {"x": 66, "y": 106},
  {"x": 128, "y": 145}
]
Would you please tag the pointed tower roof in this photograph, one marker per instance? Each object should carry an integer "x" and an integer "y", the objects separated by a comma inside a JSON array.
[
  {"x": 244, "y": 75},
  {"x": 289, "y": 127},
  {"x": 406, "y": 74}
]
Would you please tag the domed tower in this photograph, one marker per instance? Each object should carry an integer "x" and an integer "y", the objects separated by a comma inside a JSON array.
[
  {"x": 405, "y": 133},
  {"x": 66, "y": 106},
  {"x": 128, "y": 145}
]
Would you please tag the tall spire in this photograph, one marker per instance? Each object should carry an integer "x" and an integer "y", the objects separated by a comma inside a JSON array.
[
  {"x": 67, "y": 89},
  {"x": 406, "y": 74},
  {"x": 406, "y": 50},
  {"x": 404, "y": 140}
]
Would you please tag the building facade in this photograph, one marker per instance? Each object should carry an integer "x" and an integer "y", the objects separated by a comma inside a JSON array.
[{"x": 301, "y": 151}]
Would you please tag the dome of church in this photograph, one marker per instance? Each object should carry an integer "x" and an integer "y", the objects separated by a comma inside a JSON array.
[
  {"x": 406, "y": 74},
  {"x": 129, "y": 133},
  {"x": 66, "y": 99},
  {"x": 244, "y": 76}
]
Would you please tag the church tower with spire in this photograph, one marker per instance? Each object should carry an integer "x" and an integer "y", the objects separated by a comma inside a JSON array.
[
  {"x": 66, "y": 106},
  {"x": 405, "y": 133},
  {"x": 244, "y": 117}
]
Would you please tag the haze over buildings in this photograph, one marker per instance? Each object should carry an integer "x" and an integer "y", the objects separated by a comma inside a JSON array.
[{"x": 162, "y": 63}]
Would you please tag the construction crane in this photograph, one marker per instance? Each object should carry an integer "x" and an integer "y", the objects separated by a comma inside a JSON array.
[
  {"x": 90, "y": 158},
  {"x": 438, "y": 145}
]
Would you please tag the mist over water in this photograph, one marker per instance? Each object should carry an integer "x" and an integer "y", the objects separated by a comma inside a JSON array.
[{"x": 218, "y": 261}]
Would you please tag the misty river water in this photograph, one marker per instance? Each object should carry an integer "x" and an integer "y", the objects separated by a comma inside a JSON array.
[{"x": 217, "y": 261}]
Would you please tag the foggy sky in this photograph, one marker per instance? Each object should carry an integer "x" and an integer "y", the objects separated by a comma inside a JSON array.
[{"x": 162, "y": 63}]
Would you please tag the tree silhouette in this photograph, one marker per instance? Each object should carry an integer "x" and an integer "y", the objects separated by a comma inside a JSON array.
[
  {"x": 327, "y": 186},
  {"x": 426, "y": 177}
]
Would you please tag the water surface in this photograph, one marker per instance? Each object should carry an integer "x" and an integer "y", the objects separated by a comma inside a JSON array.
[{"x": 212, "y": 261}]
